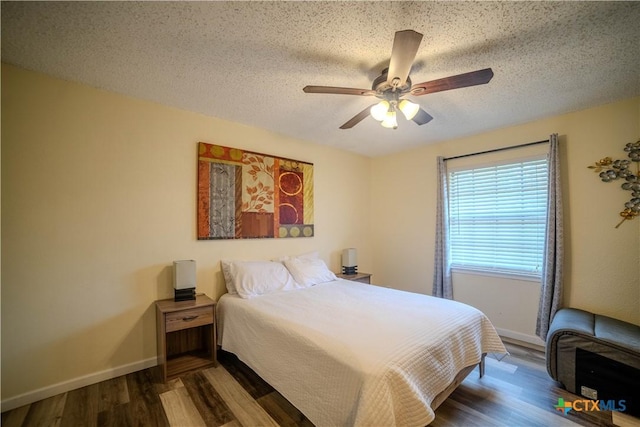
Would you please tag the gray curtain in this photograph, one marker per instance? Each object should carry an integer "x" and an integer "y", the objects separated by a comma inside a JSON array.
[
  {"x": 442, "y": 286},
  {"x": 551, "y": 294}
]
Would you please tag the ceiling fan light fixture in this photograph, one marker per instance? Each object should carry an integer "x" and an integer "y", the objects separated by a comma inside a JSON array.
[
  {"x": 390, "y": 121},
  {"x": 408, "y": 108},
  {"x": 394, "y": 82},
  {"x": 379, "y": 111}
]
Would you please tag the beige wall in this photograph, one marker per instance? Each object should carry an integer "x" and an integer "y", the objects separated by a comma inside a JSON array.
[
  {"x": 99, "y": 198},
  {"x": 602, "y": 269}
]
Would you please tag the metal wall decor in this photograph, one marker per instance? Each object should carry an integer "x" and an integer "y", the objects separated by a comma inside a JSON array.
[{"x": 611, "y": 170}]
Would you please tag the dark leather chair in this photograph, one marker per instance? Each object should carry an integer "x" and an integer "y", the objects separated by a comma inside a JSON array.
[{"x": 595, "y": 356}]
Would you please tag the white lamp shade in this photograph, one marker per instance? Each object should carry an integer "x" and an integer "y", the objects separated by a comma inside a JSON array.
[
  {"x": 408, "y": 108},
  {"x": 390, "y": 121},
  {"x": 184, "y": 274},
  {"x": 379, "y": 111},
  {"x": 349, "y": 257}
]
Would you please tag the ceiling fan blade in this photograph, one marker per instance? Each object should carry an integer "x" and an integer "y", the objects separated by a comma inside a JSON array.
[
  {"x": 338, "y": 90},
  {"x": 357, "y": 118},
  {"x": 422, "y": 117},
  {"x": 453, "y": 82},
  {"x": 405, "y": 48}
]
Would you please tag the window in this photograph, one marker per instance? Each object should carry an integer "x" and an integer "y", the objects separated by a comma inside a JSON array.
[{"x": 497, "y": 217}]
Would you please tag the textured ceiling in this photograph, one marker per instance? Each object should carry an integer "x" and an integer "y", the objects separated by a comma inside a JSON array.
[{"x": 248, "y": 61}]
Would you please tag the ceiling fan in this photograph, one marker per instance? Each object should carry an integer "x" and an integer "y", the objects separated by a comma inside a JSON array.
[{"x": 394, "y": 83}]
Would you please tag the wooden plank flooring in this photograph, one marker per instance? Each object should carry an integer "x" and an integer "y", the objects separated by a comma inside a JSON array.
[{"x": 514, "y": 392}]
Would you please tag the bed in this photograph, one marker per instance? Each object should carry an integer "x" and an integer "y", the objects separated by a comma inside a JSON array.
[{"x": 347, "y": 353}]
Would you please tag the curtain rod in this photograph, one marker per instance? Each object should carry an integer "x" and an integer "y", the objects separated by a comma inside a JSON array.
[{"x": 496, "y": 149}]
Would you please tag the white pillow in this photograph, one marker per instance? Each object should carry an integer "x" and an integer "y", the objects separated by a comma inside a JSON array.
[
  {"x": 308, "y": 255},
  {"x": 309, "y": 272},
  {"x": 225, "y": 266},
  {"x": 253, "y": 278}
]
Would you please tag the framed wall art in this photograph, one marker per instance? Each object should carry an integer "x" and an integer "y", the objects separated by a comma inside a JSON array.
[{"x": 247, "y": 195}]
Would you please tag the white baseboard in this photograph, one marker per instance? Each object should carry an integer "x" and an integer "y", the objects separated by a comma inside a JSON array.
[
  {"x": 65, "y": 386},
  {"x": 532, "y": 340}
]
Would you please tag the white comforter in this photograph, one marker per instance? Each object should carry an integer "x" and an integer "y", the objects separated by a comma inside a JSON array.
[{"x": 346, "y": 353}]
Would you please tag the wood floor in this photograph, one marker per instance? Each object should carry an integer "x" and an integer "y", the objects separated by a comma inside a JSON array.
[{"x": 514, "y": 392}]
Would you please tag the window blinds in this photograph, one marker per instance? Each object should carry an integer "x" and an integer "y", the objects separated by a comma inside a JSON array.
[{"x": 497, "y": 217}]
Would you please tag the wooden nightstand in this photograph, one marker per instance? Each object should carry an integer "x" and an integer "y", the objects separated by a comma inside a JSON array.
[
  {"x": 358, "y": 277},
  {"x": 186, "y": 335}
]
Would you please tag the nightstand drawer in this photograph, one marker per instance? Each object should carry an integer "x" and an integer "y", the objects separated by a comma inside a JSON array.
[{"x": 184, "y": 319}]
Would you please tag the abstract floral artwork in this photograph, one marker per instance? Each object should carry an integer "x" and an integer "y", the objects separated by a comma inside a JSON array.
[{"x": 245, "y": 195}]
